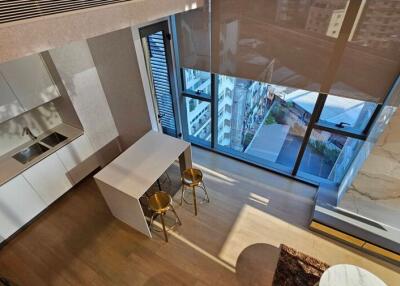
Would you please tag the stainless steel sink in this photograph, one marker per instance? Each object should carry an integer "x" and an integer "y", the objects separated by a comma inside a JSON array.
[
  {"x": 53, "y": 139},
  {"x": 30, "y": 153}
]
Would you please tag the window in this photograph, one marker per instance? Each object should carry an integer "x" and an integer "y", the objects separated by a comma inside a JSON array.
[
  {"x": 262, "y": 122},
  {"x": 346, "y": 112},
  {"x": 198, "y": 115},
  {"x": 266, "y": 124},
  {"x": 197, "y": 82},
  {"x": 328, "y": 155}
]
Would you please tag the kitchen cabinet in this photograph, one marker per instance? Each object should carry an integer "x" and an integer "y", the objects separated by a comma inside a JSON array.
[
  {"x": 77, "y": 158},
  {"x": 75, "y": 152},
  {"x": 30, "y": 81},
  {"x": 19, "y": 203},
  {"x": 9, "y": 104},
  {"x": 49, "y": 178}
]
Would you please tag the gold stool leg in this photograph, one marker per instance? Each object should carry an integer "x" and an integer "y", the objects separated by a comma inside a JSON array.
[
  {"x": 163, "y": 226},
  {"x": 203, "y": 186},
  {"x": 183, "y": 189},
  {"x": 177, "y": 217},
  {"x": 151, "y": 220},
  {"x": 194, "y": 200}
]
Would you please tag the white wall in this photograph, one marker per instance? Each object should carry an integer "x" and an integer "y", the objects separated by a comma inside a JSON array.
[
  {"x": 77, "y": 70},
  {"x": 115, "y": 58}
]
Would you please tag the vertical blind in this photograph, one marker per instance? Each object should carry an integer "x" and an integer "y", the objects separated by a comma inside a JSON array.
[
  {"x": 162, "y": 88},
  {"x": 341, "y": 47}
]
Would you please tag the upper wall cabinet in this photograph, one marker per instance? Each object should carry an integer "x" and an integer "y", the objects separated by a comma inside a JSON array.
[
  {"x": 30, "y": 81},
  {"x": 9, "y": 104}
]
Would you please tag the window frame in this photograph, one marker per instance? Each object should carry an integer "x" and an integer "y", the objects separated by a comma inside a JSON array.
[{"x": 314, "y": 124}]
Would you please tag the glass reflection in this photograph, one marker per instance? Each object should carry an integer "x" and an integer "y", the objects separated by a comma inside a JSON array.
[
  {"x": 198, "y": 82},
  {"x": 328, "y": 155},
  {"x": 370, "y": 62},
  {"x": 262, "y": 122},
  {"x": 286, "y": 42},
  {"x": 347, "y": 112},
  {"x": 194, "y": 34},
  {"x": 198, "y": 114}
]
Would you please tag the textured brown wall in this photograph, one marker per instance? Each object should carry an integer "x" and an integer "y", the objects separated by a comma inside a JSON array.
[{"x": 115, "y": 59}]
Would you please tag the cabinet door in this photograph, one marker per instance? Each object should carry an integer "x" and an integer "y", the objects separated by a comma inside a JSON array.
[
  {"x": 19, "y": 203},
  {"x": 48, "y": 178},
  {"x": 30, "y": 81},
  {"x": 9, "y": 105},
  {"x": 75, "y": 152}
]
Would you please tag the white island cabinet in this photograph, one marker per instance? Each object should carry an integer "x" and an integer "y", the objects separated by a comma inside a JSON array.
[
  {"x": 19, "y": 203},
  {"x": 125, "y": 180},
  {"x": 49, "y": 178},
  {"x": 30, "y": 81}
]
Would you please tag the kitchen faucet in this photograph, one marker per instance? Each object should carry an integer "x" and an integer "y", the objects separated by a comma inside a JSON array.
[{"x": 28, "y": 132}]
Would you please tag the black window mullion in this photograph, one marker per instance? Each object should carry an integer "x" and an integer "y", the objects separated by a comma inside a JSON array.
[
  {"x": 319, "y": 105},
  {"x": 372, "y": 119},
  {"x": 348, "y": 132},
  {"x": 214, "y": 111},
  {"x": 195, "y": 96}
]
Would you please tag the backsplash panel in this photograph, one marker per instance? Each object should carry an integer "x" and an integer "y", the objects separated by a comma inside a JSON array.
[{"x": 38, "y": 120}]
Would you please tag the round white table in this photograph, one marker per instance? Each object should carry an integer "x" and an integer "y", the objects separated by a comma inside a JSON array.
[{"x": 349, "y": 275}]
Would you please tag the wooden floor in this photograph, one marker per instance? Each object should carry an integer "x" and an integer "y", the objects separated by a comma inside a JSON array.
[{"x": 233, "y": 240}]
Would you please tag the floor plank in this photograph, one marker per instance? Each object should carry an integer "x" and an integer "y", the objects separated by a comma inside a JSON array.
[{"x": 233, "y": 240}]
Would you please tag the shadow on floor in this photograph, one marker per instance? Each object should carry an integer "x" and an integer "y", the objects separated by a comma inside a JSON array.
[{"x": 256, "y": 264}]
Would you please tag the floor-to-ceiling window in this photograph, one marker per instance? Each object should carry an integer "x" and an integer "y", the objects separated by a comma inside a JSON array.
[
  {"x": 287, "y": 85},
  {"x": 270, "y": 125}
]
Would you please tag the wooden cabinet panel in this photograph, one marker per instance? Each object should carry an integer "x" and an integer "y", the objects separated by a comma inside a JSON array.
[{"x": 19, "y": 203}]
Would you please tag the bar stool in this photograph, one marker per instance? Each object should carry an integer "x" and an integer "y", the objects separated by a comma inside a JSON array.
[
  {"x": 160, "y": 203},
  {"x": 193, "y": 178}
]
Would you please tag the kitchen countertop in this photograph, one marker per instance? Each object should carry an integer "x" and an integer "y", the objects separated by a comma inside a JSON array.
[{"x": 11, "y": 168}]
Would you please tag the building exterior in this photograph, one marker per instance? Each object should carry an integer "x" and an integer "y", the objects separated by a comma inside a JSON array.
[
  {"x": 379, "y": 25},
  {"x": 326, "y": 17}
]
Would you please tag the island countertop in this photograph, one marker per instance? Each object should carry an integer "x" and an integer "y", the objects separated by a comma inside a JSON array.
[{"x": 138, "y": 167}]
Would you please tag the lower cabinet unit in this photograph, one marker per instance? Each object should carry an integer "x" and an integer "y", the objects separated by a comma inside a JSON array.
[
  {"x": 49, "y": 178},
  {"x": 19, "y": 203},
  {"x": 75, "y": 152},
  {"x": 25, "y": 196},
  {"x": 77, "y": 158}
]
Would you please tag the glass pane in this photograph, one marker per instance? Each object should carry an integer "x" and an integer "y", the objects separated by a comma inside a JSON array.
[
  {"x": 371, "y": 59},
  {"x": 198, "y": 114},
  {"x": 193, "y": 36},
  {"x": 328, "y": 155},
  {"x": 284, "y": 42},
  {"x": 198, "y": 82},
  {"x": 347, "y": 112},
  {"x": 262, "y": 122}
]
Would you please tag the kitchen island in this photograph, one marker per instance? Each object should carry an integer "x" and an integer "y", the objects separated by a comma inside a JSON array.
[{"x": 131, "y": 174}]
